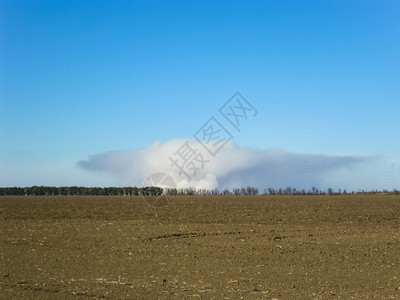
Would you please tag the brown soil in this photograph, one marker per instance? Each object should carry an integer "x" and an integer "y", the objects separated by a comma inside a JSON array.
[{"x": 222, "y": 247}]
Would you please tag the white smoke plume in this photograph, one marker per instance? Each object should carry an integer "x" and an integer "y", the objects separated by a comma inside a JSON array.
[{"x": 232, "y": 167}]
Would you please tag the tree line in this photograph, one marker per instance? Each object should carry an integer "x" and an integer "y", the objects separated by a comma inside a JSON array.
[
  {"x": 79, "y": 190},
  {"x": 156, "y": 191}
]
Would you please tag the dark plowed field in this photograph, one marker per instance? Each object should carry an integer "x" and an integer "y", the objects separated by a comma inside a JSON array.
[{"x": 222, "y": 247}]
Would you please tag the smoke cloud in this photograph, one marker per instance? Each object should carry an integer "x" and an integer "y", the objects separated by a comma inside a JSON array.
[{"x": 233, "y": 166}]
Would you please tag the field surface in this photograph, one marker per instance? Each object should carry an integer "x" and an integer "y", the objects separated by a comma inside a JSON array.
[{"x": 209, "y": 247}]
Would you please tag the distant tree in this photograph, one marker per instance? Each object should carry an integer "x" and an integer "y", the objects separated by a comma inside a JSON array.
[
  {"x": 171, "y": 191},
  {"x": 226, "y": 192},
  {"x": 249, "y": 190},
  {"x": 288, "y": 191},
  {"x": 236, "y": 191},
  {"x": 253, "y": 191}
]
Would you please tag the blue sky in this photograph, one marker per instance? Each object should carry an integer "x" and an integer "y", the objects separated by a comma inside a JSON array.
[{"x": 80, "y": 78}]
